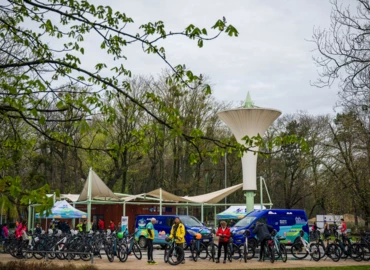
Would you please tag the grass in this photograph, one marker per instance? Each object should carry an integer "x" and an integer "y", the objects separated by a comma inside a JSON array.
[
  {"x": 360, "y": 267},
  {"x": 21, "y": 265}
]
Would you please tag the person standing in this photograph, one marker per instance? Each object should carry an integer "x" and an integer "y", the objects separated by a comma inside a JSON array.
[
  {"x": 263, "y": 234},
  {"x": 84, "y": 226},
  {"x": 94, "y": 226},
  {"x": 101, "y": 225},
  {"x": 119, "y": 227},
  {"x": 149, "y": 240},
  {"x": 112, "y": 227},
  {"x": 79, "y": 227},
  {"x": 232, "y": 223},
  {"x": 38, "y": 229},
  {"x": 326, "y": 228},
  {"x": 343, "y": 227},
  {"x": 178, "y": 232},
  {"x": 22, "y": 227},
  {"x": 223, "y": 233},
  {"x": 5, "y": 231}
]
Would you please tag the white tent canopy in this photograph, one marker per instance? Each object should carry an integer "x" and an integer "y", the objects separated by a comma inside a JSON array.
[
  {"x": 99, "y": 190},
  {"x": 214, "y": 197}
]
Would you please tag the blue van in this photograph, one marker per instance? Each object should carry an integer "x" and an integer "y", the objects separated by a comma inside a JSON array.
[
  {"x": 287, "y": 223},
  {"x": 163, "y": 227}
]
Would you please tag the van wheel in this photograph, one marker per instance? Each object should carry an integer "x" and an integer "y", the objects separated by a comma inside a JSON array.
[
  {"x": 252, "y": 242},
  {"x": 142, "y": 242}
]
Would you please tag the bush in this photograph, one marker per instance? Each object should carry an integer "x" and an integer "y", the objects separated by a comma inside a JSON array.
[{"x": 22, "y": 265}]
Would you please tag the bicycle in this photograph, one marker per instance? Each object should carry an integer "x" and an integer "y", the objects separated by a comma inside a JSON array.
[
  {"x": 197, "y": 248},
  {"x": 246, "y": 251},
  {"x": 330, "y": 250},
  {"x": 365, "y": 243},
  {"x": 212, "y": 247},
  {"x": 174, "y": 254},
  {"x": 280, "y": 248},
  {"x": 301, "y": 249},
  {"x": 128, "y": 245},
  {"x": 349, "y": 249}
]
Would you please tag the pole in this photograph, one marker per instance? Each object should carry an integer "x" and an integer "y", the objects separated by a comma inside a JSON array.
[
  {"x": 215, "y": 216},
  {"x": 29, "y": 214},
  {"x": 160, "y": 201},
  {"x": 261, "y": 192},
  {"x": 89, "y": 200},
  {"x": 249, "y": 200},
  {"x": 202, "y": 213},
  {"x": 225, "y": 177},
  {"x": 187, "y": 209},
  {"x": 74, "y": 220},
  {"x": 124, "y": 209}
]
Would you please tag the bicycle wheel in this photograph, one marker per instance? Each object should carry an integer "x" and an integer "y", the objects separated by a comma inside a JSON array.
[
  {"x": 203, "y": 251},
  {"x": 175, "y": 255},
  {"x": 166, "y": 250},
  {"x": 245, "y": 253},
  {"x": 109, "y": 252},
  {"x": 334, "y": 252},
  {"x": 122, "y": 252},
  {"x": 283, "y": 252},
  {"x": 137, "y": 251},
  {"x": 38, "y": 247},
  {"x": 298, "y": 251},
  {"x": 315, "y": 252},
  {"x": 211, "y": 251},
  {"x": 230, "y": 252},
  {"x": 194, "y": 251},
  {"x": 271, "y": 251},
  {"x": 357, "y": 252},
  {"x": 366, "y": 252}
]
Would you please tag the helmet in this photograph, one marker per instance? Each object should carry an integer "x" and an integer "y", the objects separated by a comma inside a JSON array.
[
  {"x": 301, "y": 233},
  {"x": 198, "y": 236},
  {"x": 120, "y": 235},
  {"x": 273, "y": 233}
]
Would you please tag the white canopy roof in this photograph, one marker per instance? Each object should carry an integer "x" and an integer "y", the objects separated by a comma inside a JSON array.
[
  {"x": 214, "y": 197},
  {"x": 99, "y": 190}
]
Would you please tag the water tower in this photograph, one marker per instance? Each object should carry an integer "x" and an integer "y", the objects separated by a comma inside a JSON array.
[{"x": 249, "y": 120}]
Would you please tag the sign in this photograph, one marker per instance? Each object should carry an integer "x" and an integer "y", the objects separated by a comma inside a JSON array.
[{"x": 124, "y": 224}]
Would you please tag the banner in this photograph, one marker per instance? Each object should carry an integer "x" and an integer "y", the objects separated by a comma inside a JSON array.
[{"x": 124, "y": 224}]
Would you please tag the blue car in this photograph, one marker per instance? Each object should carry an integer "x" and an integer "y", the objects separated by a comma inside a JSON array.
[
  {"x": 287, "y": 223},
  {"x": 163, "y": 227}
]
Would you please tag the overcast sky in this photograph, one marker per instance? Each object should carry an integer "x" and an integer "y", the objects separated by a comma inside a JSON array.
[{"x": 271, "y": 58}]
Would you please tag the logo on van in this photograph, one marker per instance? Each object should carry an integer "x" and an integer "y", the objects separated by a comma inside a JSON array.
[
  {"x": 299, "y": 220},
  {"x": 289, "y": 213},
  {"x": 271, "y": 213}
]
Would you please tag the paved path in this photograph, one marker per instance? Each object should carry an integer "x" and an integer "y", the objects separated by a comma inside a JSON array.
[{"x": 133, "y": 263}]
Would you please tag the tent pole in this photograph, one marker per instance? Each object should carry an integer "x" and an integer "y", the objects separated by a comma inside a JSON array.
[
  {"x": 74, "y": 220},
  {"x": 160, "y": 201},
  {"x": 89, "y": 200},
  {"x": 187, "y": 208},
  {"x": 202, "y": 213},
  {"x": 177, "y": 210},
  {"x": 124, "y": 209},
  {"x": 215, "y": 216},
  {"x": 29, "y": 215}
]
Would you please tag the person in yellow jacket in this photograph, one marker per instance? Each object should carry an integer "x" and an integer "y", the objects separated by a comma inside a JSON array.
[{"x": 178, "y": 231}]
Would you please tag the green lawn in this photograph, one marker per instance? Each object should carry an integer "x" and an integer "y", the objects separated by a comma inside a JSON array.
[{"x": 360, "y": 267}]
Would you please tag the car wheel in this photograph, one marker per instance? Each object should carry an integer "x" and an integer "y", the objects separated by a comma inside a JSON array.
[{"x": 142, "y": 242}]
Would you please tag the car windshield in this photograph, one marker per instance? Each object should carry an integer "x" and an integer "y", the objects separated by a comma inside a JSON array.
[
  {"x": 190, "y": 221},
  {"x": 245, "y": 221}
]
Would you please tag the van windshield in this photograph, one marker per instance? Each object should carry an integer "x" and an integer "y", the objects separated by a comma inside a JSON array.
[
  {"x": 190, "y": 221},
  {"x": 245, "y": 221}
]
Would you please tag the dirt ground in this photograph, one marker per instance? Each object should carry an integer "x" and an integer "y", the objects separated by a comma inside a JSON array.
[{"x": 134, "y": 264}]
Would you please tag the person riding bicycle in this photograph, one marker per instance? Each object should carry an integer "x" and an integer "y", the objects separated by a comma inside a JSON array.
[
  {"x": 263, "y": 232},
  {"x": 223, "y": 233},
  {"x": 149, "y": 240},
  {"x": 178, "y": 232}
]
